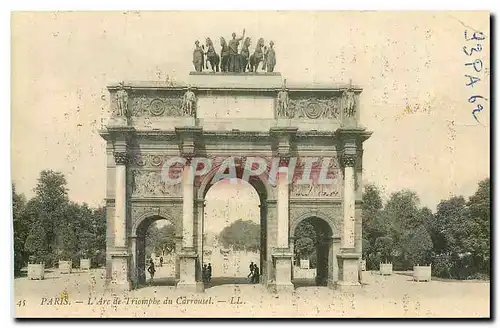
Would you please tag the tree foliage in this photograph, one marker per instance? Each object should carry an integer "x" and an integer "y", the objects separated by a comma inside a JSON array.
[
  {"x": 305, "y": 242},
  {"x": 21, "y": 229},
  {"x": 49, "y": 227},
  {"x": 455, "y": 239},
  {"x": 241, "y": 235},
  {"x": 160, "y": 240}
]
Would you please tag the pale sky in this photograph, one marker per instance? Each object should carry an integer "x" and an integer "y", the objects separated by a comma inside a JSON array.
[{"x": 62, "y": 62}]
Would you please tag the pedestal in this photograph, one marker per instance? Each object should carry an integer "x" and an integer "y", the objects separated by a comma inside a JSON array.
[
  {"x": 348, "y": 269},
  {"x": 283, "y": 266},
  {"x": 187, "y": 280},
  {"x": 120, "y": 280},
  {"x": 118, "y": 121}
]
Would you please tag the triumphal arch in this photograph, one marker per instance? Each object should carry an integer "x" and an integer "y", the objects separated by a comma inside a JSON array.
[{"x": 284, "y": 129}]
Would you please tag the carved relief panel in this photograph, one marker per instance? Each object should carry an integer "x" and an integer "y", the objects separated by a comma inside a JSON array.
[
  {"x": 152, "y": 184},
  {"x": 325, "y": 179},
  {"x": 311, "y": 107},
  {"x": 175, "y": 103}
]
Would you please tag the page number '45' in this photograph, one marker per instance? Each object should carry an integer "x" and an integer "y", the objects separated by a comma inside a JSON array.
[{"x": 21, "y": 303}]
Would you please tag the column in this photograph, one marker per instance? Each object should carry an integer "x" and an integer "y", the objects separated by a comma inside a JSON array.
[
  {"x": 187, "y": 206},
  {"x": 120, "y": 255},
  {"x": 283, "y": 202},
  {"x": 178, "y": 250},
  {"x": 120, "y": 227},
  {"x": 282, "y": 254},
  {"x": 348, "y": 258},
  {"x": 349, "y": 203},
  {"x": 134, "y": 267},
  {"x": 141, "y": 259},
  {"x": 188, "y": 256}
]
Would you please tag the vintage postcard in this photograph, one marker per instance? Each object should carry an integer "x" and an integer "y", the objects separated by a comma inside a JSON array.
[{"x": 251, "y": 164}]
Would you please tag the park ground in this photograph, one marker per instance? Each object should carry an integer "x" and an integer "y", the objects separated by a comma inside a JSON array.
[{"x": 380, "y": 296}]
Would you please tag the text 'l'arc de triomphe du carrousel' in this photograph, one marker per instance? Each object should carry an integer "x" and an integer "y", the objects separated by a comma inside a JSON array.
[{"x": 234, "y": 106}]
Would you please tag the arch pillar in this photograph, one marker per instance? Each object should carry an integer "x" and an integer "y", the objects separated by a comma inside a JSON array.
[
  {"x": 282, "y": 256},
  {"x": 120, "y": 255},
  {"x": 188, "y": 257},
  {"x": 349, "y": 258}
]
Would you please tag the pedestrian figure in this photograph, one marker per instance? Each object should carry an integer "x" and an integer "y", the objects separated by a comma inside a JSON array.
[
  {"x": 250, "y": 275},
  {"x": 255, "y": 276},
  {"x": 161, "y": 261},
  {"x": 209, "y": 272},
  {"x": 151, "y": 269},
  {"x": 204, "y": 273}
]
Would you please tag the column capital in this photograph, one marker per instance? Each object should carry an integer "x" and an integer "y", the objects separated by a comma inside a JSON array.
[
  {"x": 348, "y": 160},
  {"x": 284, "y": 160},
  {"x": 121, "y": 157},
  {"x": 188, "y": 157}
]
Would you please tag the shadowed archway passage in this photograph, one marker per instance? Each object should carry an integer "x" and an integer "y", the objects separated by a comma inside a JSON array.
[{"x": 313, "y": 262}]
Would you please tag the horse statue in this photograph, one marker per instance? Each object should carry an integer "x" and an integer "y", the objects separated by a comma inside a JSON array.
[
  {"x": 244, "y": 54},
  {"x": 224, "y": 55},
  {"x": 212, "y": 56},
  {"x": 257, "y": 56}
]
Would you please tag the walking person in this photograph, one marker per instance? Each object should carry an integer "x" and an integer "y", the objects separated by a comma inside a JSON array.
[
  {"x": 161, "y": 261},
  {"x": 209, "y": 272},
  {"x": 250, "y": 275},
  {"x": 204, "y": 273},
  {"x": 151, "y": 269},
  {"x": 256, "y": 273}
]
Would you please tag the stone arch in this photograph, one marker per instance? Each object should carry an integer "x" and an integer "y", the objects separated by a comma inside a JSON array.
[
  {"x": 327, "y": 247},
  {"x": 259, "y": 182},
  {"x": 318, "y": 214},
  {"x": 138, "y": 244},
  {"x": 152, "y": 216},
  {"x": 264, "y": 192}
]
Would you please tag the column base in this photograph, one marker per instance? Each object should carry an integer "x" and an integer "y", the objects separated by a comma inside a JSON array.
[
  {"x": 120, "y": 286},
  {"x": 187, "y": 280},
  {"x": 194, "y": 287},
  {"x": 118, "y": 121},
  {"x": 282, "y": 258},
  {"x": 274, "y": 287},
  {"x": 348, "y": 269},
  {"x": 120, "y": 274},
  {"x": 332, "y": 284}
]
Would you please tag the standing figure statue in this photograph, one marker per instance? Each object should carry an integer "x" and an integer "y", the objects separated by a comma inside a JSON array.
[
  {"x": 349, "y": 102},
  {"x": 121, "y": 101},
  {"x": 198, "y": 59},
  {"x": 257, "y": 56},
  {"x": 283, "y": 101},
  {"x": 224, "y": 55},
  {"x": 212, "y": 57},
  {"x": 234, "y": 43},
  {"x": 189, "y": 102},
  {"x": 244, "y": 54},
  {"x": 269, "y": 58}
]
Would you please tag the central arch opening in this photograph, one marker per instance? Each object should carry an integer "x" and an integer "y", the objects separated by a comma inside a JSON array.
[{"x": 234, "y": 237}]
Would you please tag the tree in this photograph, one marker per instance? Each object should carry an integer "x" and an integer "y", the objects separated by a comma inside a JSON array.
[
  {"x": 48, "y": 205},
  {"x": 36, "y": 243},
  {"x": 417, "y": 247},
  {"x": 241, "y": 235},
  {"x": 159, "y": 240},
  {"x": 448, "y": 226},
  {"x": 305, "y": 242},
  {"x": 21, "y": 229},
  {"x": 478, "y": 242},
  {"x": 374, "y": 223},
  {"x": 167, "y": 237},
  {"x": 384, "y": 247}
]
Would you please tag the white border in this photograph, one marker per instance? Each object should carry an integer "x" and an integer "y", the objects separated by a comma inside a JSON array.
[{"x": 7, "y": 7}]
